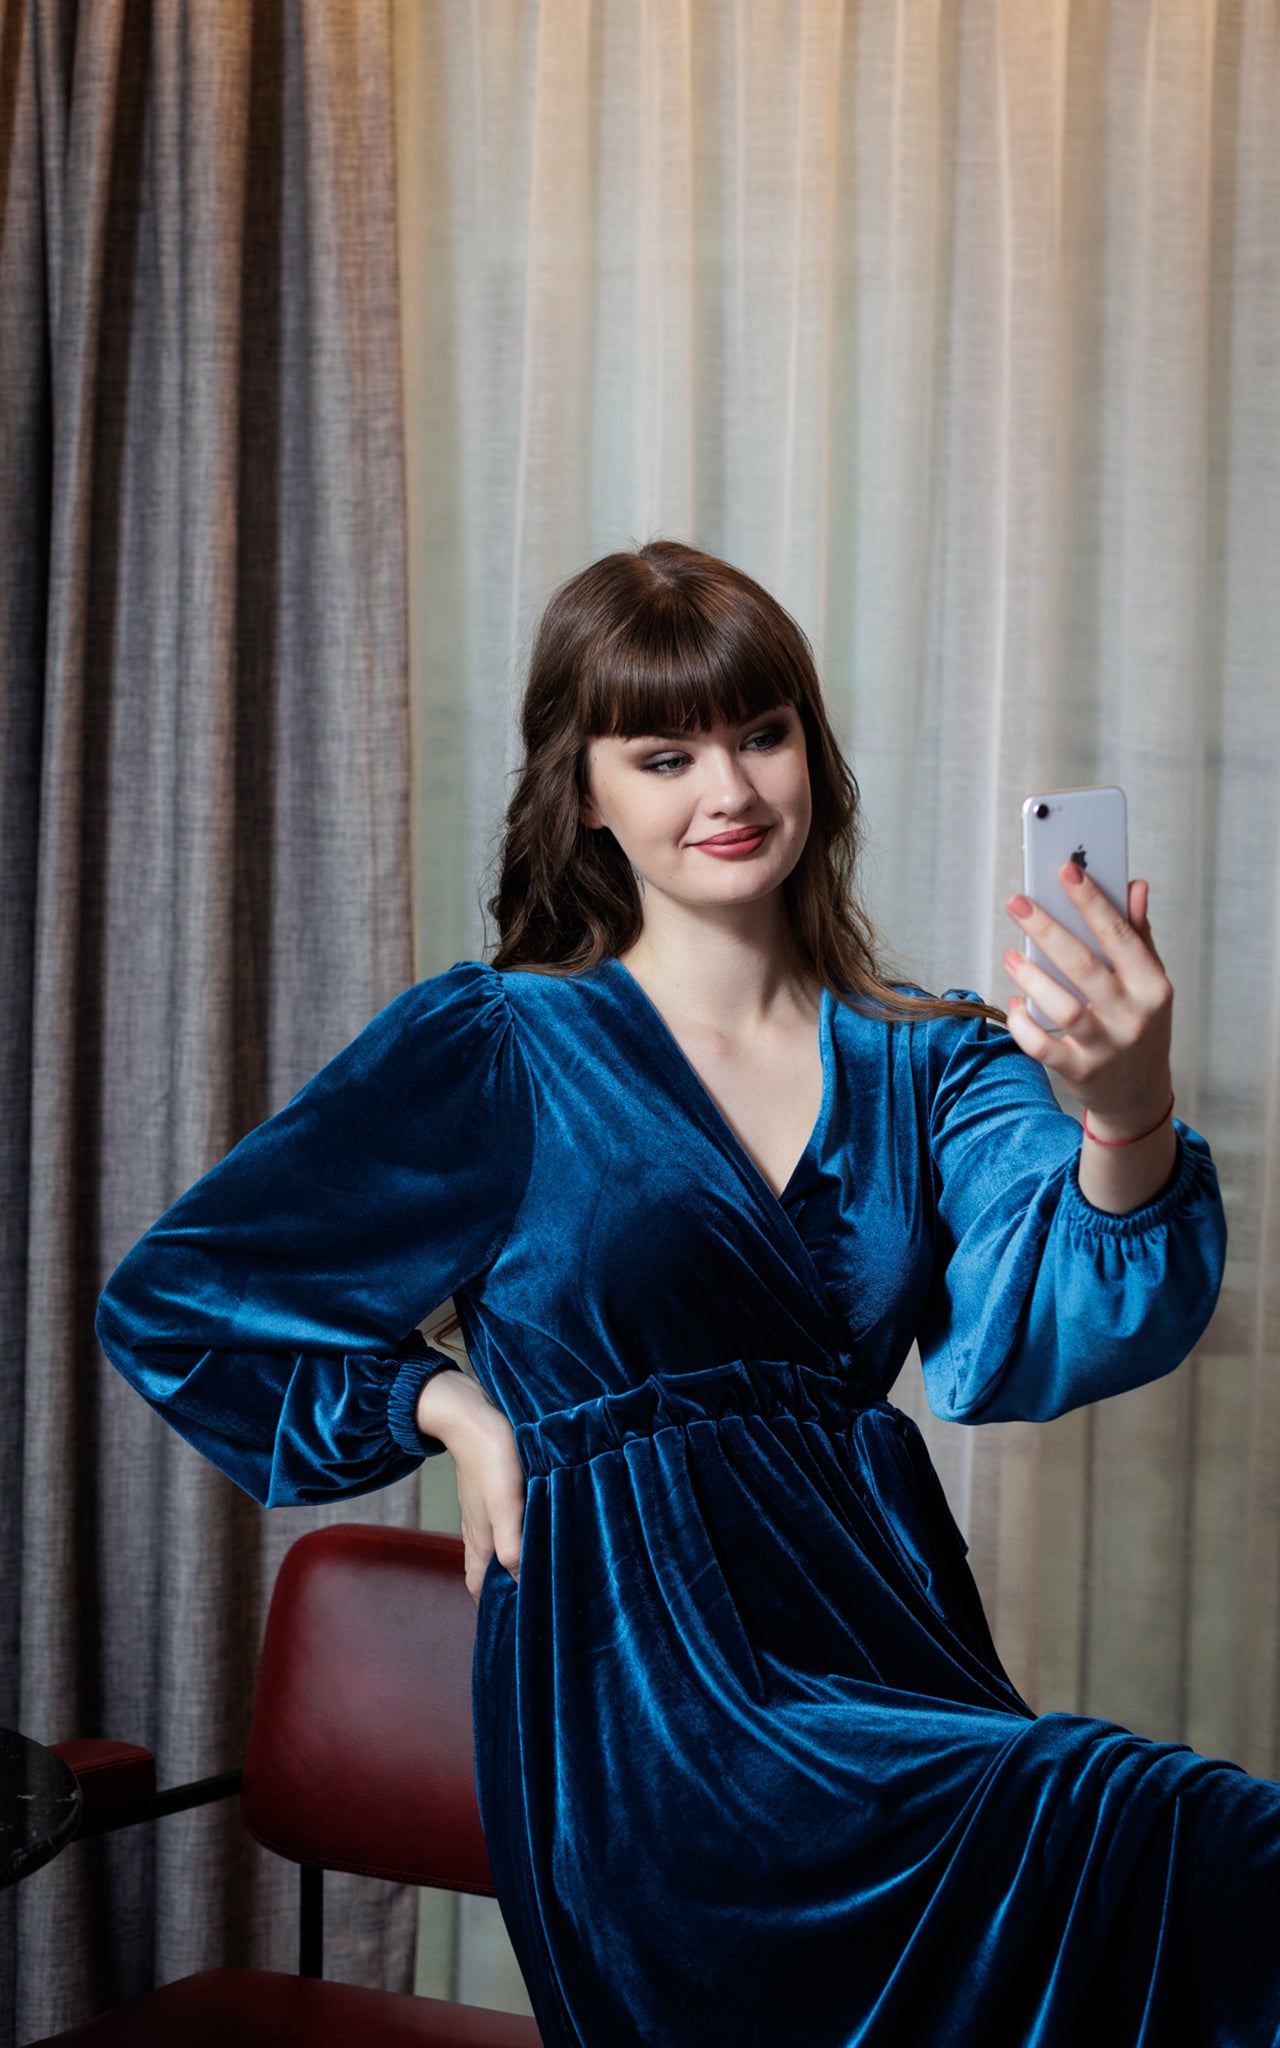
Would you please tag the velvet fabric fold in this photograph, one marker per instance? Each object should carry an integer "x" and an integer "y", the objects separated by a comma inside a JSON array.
[
  {"x": 770, "y": 1765},
  {"x": 748, "y": 1762}
]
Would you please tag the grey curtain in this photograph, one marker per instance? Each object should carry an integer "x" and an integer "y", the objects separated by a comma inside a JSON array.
[{"x": 204, "y": 875}]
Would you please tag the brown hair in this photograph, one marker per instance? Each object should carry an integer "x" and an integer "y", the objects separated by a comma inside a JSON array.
[{"x": 667, "y": 639}]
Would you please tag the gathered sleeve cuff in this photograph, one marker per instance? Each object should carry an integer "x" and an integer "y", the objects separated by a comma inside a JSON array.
[
  {"x": 402, "y": 1401},
  {"x": 1039, "y": 1302}
]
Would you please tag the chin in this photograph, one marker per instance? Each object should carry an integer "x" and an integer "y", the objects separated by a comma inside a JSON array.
[{"x": 739, "y": 885}]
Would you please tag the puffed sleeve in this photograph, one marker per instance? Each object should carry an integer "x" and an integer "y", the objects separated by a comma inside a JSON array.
[
  {"x": 270, "y": 1315},
  {"x": 1039, "y": 1302}
]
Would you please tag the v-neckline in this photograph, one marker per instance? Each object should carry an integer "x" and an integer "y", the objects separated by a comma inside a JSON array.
[{"x": 732, "y": 1142}]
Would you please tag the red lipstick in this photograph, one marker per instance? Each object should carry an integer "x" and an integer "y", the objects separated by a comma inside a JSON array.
[{"x": 733, "y": 845}]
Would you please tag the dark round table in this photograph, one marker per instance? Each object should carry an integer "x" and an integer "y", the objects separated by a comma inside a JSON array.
[{"x": 39, "y": 1805}]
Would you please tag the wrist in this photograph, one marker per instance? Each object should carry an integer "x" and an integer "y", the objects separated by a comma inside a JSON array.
[
  {"x": 1135, "y": 1125},
  {"x": 450, "y": 1402},
  {"x": 1128, "y": 1177}
]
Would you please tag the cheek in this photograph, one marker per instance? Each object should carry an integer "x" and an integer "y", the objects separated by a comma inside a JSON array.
[
  {"x": 643, "y": 810},
  {"x": 661, "y": 810},
  {"x": 790, "y": 787}
]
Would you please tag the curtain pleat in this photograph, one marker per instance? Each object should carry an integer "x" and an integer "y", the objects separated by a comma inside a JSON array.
[
  {"x": 206, "y": 855},
  {"x": 958, "y": 327}
]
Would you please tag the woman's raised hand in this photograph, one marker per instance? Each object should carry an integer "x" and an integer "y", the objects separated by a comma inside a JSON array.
[
  {"x": 482, "y": 1444},
  {"x": 1113, "y": 1054}
]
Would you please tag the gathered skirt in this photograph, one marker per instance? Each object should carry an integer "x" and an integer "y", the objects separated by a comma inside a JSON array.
[{"x": 750, "y": 1770}]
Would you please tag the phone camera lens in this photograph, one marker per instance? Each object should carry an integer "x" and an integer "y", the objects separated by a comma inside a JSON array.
[{"x": 1042, "y": 810}]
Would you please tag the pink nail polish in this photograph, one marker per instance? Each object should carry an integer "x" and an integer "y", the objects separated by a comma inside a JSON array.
[
  {"x": 1072, "y": 875},
  {"x": 1019, "y": 906}
]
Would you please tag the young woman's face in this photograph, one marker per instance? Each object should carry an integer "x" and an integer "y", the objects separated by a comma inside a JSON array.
[{"x": 708, "y": 818}]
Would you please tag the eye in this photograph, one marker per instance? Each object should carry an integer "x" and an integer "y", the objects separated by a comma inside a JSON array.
[
  {"x": 663, "y": 764},
  {"x": 767, "y": 737}
]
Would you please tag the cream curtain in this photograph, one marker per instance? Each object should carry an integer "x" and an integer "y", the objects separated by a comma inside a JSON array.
[{"x": 958, "y": 326}]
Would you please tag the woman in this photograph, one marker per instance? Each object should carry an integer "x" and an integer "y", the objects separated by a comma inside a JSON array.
[{"x": 696, "y": 1177}]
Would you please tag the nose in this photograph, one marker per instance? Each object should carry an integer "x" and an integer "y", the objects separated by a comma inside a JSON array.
[{"x": 729, "y": 788}]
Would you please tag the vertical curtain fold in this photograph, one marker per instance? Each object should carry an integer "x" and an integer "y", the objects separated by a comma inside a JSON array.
[{"x": 205, "y": 848}]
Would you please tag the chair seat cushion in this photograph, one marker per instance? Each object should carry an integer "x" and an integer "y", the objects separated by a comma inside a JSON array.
[
  {"x": 265, "y": 2009},
  {"x": 111, "y": 1775}
]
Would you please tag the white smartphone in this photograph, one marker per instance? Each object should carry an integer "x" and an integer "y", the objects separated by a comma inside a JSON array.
[{"x": 1090, "y": 827}]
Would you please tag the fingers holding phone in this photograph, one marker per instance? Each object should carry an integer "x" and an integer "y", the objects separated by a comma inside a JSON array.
[
  {"x": 1089, "y": 829},
  {"x": 1096, "y": 1004}
]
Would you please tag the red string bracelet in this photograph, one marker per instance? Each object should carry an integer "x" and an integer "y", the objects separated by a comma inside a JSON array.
[{"x": 1128, "y": 1141}]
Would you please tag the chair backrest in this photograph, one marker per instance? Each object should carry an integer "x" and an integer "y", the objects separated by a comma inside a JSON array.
[{"x": 360, "y": 1751}]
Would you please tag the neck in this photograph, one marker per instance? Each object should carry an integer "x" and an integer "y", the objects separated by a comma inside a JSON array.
[{"x": 724, "y": 969}]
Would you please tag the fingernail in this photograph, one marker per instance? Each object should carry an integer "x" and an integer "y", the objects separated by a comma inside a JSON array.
[
  {"x": 1019, "y": 906},
  {"x": 1012, "y": 960},
  {"x": 1072, "y": 874}
]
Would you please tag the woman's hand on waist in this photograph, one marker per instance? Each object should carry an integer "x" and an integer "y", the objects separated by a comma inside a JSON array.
[{"x": 482, "y": 1444}]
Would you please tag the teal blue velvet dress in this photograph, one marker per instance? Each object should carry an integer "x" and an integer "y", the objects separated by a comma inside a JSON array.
[{"x": 749, "y": 1766}]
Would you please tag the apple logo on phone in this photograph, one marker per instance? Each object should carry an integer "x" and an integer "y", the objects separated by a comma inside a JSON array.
[{"x": 1081, "y": 858}]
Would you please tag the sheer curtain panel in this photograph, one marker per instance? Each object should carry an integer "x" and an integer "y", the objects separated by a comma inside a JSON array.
[{"x": 958, "y": 326}]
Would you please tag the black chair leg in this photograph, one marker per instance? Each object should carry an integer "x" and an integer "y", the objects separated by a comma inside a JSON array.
[{"x": 311, "y": 1921}]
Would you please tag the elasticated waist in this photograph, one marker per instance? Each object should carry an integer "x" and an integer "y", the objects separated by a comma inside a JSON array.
[{"x": 766, "y": 1387}]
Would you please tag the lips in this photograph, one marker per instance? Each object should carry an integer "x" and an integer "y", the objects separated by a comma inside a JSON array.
[{"x": 736, "y": 838}]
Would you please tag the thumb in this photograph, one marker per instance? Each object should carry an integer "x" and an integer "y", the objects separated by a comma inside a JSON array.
[{"x": 508, "y": 1527}]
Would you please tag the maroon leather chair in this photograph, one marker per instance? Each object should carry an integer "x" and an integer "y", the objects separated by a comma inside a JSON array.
[{"x": 359, "y": 1759}]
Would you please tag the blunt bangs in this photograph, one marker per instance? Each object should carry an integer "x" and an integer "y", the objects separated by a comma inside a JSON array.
[{"x": 673, "y": 670}]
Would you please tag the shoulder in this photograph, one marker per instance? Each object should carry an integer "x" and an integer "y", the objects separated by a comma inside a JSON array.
[
  {"x": 972, "y": 1067},
  {"x": 466, "y": 998},
  {"x": 926, "y": 1034},
  {"x": 954, "y": 1032},
  {"x": 475, "y": 1014},
  {"x": 943, "y": 1053},
  {"x": 451, "y": 1029}
]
